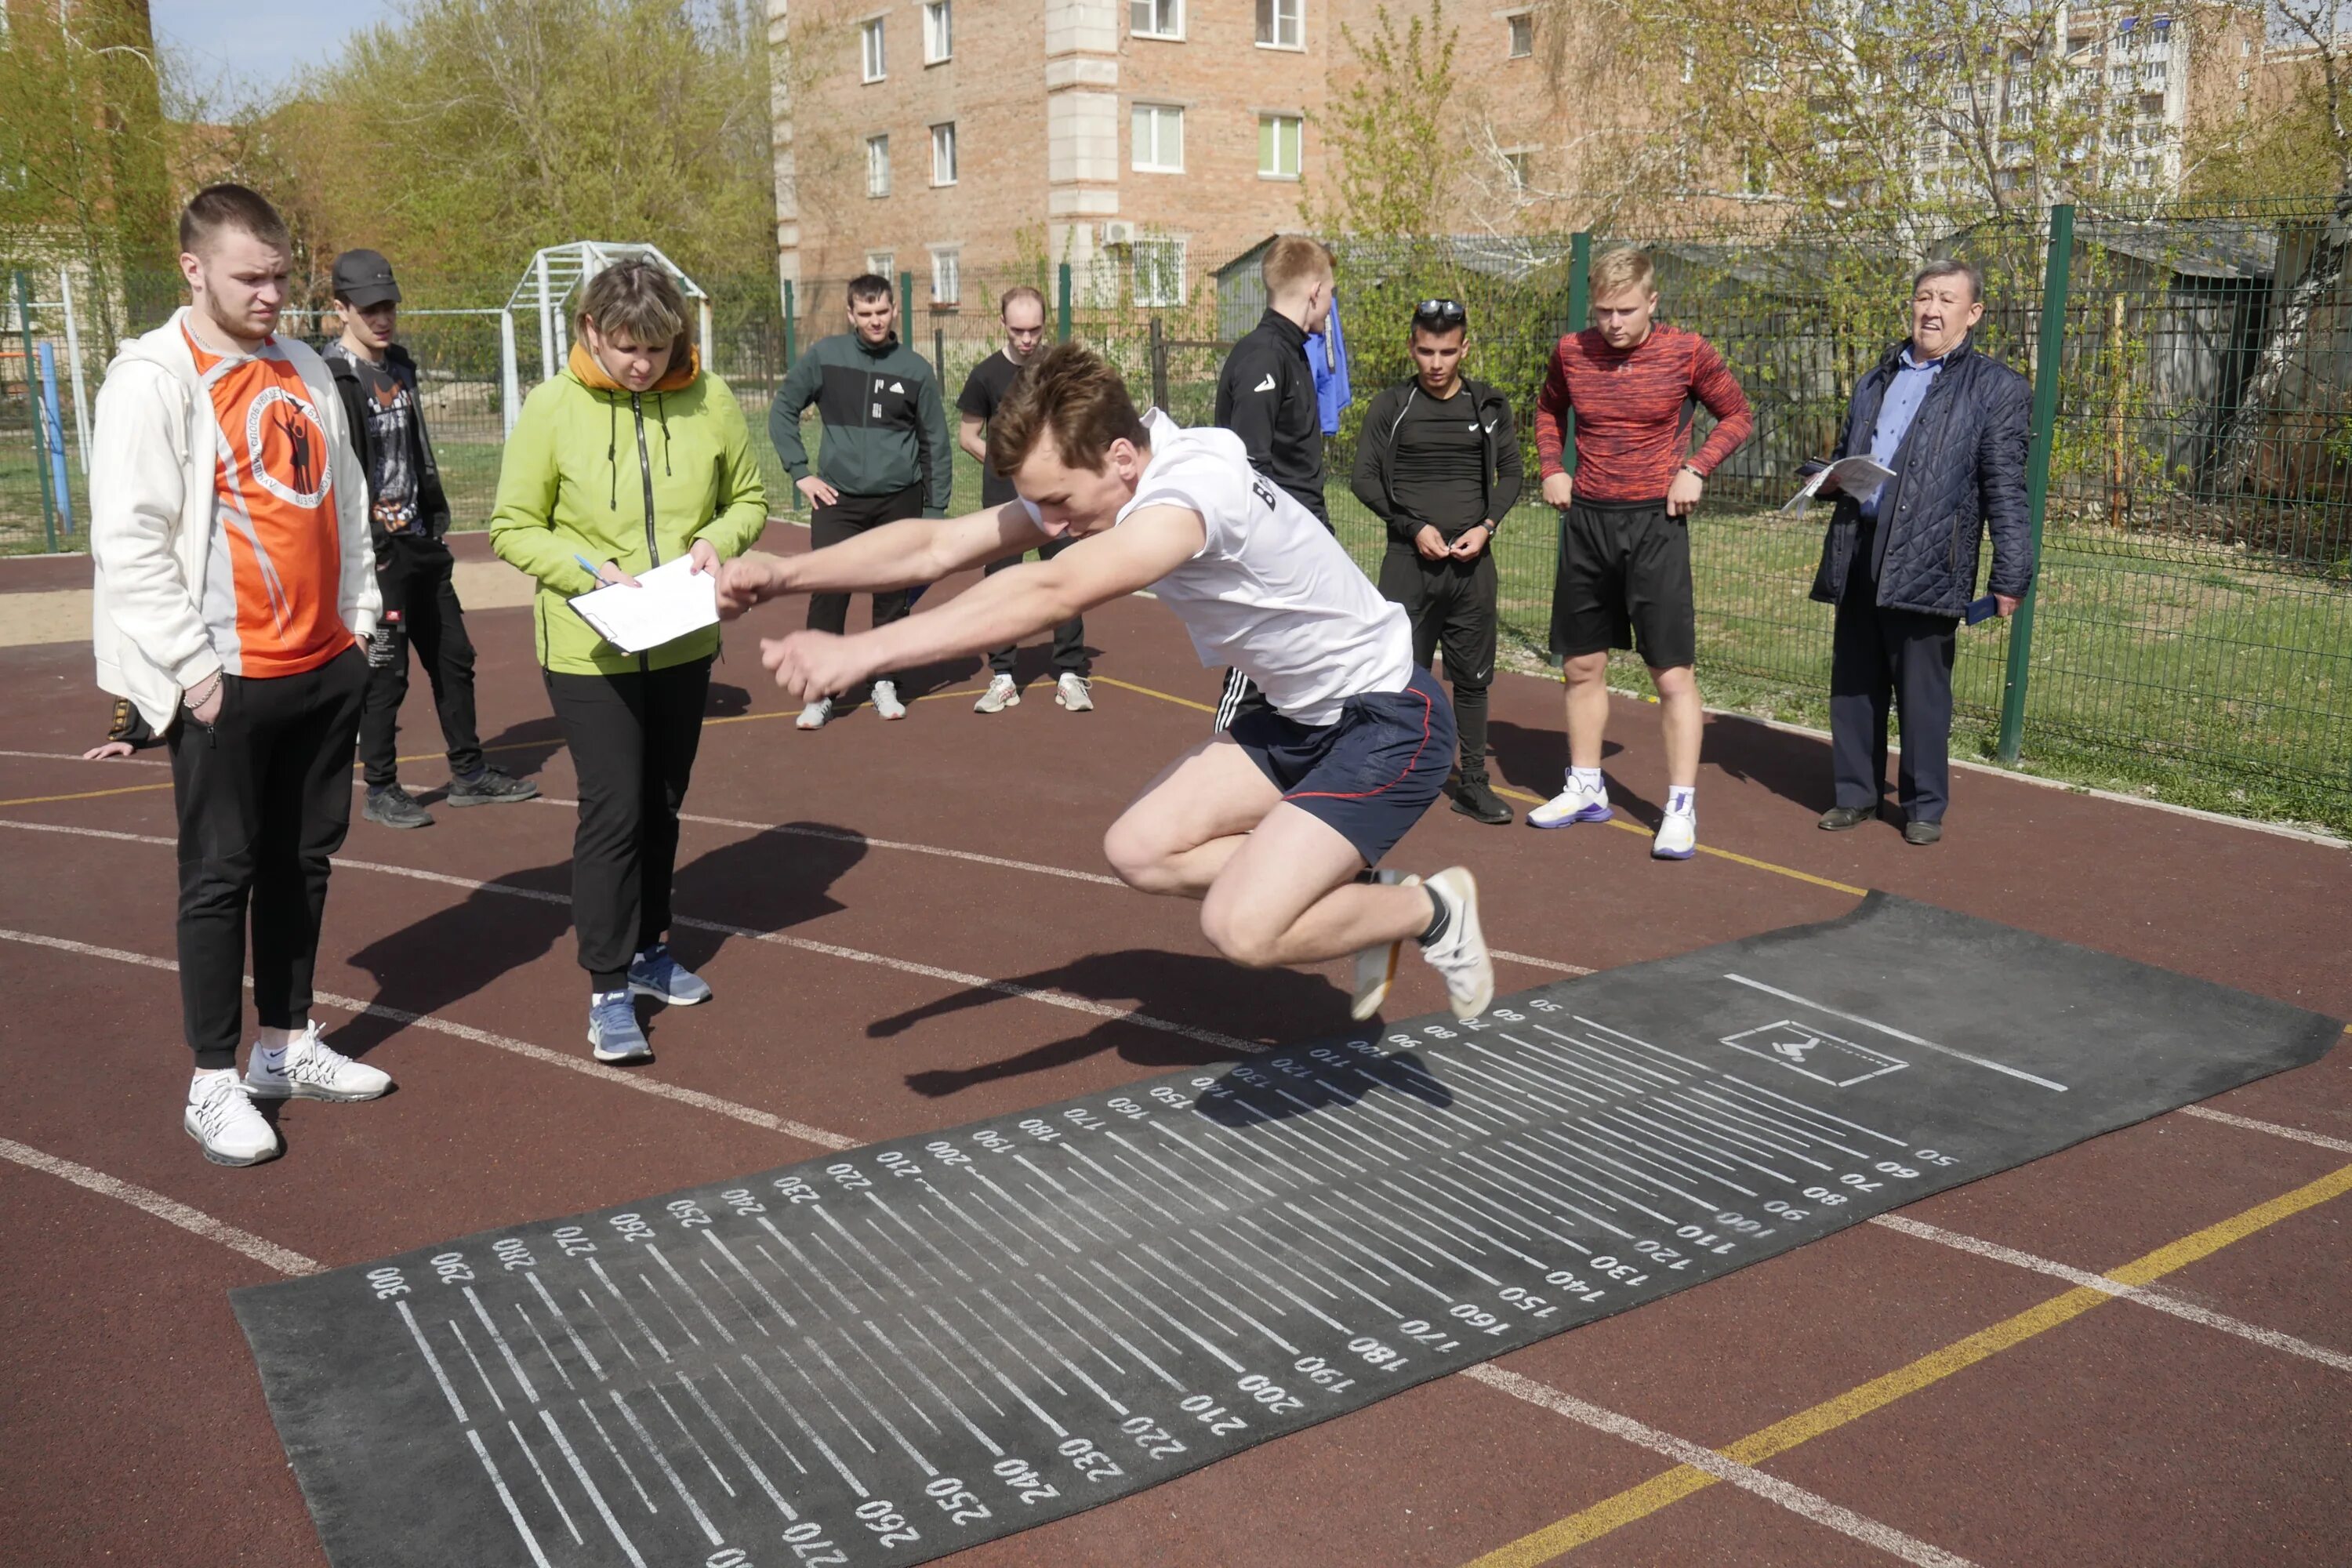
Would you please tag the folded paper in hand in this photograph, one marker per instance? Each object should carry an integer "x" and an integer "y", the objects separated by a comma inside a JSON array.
[
  {"x": 668, "y": 602},
  {"x": 1856, "y": 475}
]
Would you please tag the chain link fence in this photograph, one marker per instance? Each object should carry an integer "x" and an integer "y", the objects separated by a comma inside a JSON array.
[{"x": 2191, "y": 636}]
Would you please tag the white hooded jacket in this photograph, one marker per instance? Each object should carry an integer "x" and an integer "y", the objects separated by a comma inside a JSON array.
[{"x": 153, "y": 450}]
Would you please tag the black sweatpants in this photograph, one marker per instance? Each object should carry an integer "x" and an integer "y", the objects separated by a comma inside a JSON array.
[
  {"x": 1877, "y": 655},
  {"x": 1450, "y": 605},
  {"x": 846, "y": 519},
  {"x": 633, "y": 738},
  {"x": 1069, "y": 637},
  {"x": 264, "y": 795},
  {"x": 420, "y": 610}
]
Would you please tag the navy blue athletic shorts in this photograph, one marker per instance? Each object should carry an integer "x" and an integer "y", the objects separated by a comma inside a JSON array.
[{"x": 1370, "y": 775}]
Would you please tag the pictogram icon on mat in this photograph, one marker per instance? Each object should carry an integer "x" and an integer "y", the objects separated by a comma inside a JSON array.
[{"x": 1814, "y": 1052}]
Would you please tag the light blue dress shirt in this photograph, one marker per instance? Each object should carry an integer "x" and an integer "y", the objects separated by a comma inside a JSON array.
[{"x": 1896, "y": 408}]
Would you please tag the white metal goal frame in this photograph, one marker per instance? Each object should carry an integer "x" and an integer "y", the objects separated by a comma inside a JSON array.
[{"x": 547, "y": 287}]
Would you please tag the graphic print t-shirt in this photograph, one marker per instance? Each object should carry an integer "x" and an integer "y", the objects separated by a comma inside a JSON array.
[
  {"x": 984, "y": 393},
  {"x": 391, "y": 445},
  {"x": 273, "y": 588}
]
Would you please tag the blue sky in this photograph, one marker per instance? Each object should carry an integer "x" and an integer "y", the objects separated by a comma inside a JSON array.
[{"x": 261, "y": 44}]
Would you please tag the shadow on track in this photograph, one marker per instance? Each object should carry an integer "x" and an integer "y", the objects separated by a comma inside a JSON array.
[{"x": 1161, "y": 985}]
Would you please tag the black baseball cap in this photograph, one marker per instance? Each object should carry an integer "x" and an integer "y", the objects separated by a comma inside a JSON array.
[{"x": 364, "y": 278}]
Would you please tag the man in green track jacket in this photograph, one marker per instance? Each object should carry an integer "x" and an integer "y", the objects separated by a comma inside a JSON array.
[{"x": 884, "y": 454}]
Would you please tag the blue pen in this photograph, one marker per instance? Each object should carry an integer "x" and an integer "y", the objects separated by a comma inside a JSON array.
[{"x": 589, "y": 566}]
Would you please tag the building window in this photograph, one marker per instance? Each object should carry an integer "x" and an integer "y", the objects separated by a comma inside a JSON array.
[
  {"x": 947, "y": 274},
  {"x": 938, "y": 31},
  {"x": 878, "y": 166},
  {"x": 870, "y": 38},
  {"x": 878, "y": 263},
  {"x": 1157, "y": 137},
  {"x": 943, "y": 154},
  {"x": 1281, "y": 24},
  {"x": 1158, "y": 271},
  {"x": 2245, "y": 48},
  {"x": 1278, "y": 139},
  {"x": 1514, "y": 170},
  {"x": 1523, "y": 37},
  {"x": 2242, "y": 82},
  {"x": 1156, "y": 18}
]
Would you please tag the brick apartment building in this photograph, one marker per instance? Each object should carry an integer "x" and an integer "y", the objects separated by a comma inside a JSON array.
[{"x": 1143, "y": 141}]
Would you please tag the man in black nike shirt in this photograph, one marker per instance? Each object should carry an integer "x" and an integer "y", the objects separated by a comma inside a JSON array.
[{"x": 1438, "y": 462}]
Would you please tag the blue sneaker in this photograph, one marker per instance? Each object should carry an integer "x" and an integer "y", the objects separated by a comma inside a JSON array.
[
  {"x": 613, "y": 1031},
  {"x": 654, "y": 972}
]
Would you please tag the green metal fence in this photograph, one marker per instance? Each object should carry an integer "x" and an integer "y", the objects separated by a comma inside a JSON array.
[{"x": 2190, "y": 634}]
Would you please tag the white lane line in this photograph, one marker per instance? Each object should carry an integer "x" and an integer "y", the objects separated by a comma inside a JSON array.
[
  {"x": 172, "y": 1211},
  {"x": 1771, "y": 1488},
  {"x": 1892, "y": 1031},
  {"x": 573, "y": 1061},
  {"x": 2320, "y": 1139},
  {"x": 78, "y": 757},
  {"x": 2158, "y": 1300},
  {"x": 847, "y": 836},
  {"x": 806, "y": 944}
]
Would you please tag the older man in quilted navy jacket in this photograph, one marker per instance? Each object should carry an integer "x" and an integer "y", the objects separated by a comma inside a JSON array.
[{"x": 1900, "y": 561}]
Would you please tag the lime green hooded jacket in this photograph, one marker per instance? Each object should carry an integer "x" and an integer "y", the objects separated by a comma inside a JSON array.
[{"x": 595, "y": 470}]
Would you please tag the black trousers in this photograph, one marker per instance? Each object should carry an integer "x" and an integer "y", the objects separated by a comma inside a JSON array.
[
  {"x": 264, "y": 795},
  {"x": 846, "y": 519},
  {"x": 420, "y": 610},
  {"x": 633, "y": 738},
  {"x": 1069, "y": 637},
  {"x": 1450, "y": 605},
  {"x": 1877, "y": 655}
]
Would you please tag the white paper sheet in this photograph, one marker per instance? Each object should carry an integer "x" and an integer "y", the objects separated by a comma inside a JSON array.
[
  {"x": 668, "y": 602},
  {"x": 1856, "y": 475}
]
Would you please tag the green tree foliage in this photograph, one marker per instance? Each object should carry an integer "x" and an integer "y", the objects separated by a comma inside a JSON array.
[
  {"x": 1390, "y": 134},
  {"x": 464, "y": 135}
]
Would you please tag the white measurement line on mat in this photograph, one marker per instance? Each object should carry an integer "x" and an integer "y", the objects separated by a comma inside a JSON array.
[
  {"x": 2148, "y": 1296},
  {"x": 1890, "y": 1031}
]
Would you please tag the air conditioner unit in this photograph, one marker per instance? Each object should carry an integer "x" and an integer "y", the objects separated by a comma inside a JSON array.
[{"x": 1118, "y": 233}]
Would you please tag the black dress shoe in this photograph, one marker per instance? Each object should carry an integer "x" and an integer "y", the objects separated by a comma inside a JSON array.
[
  {"x": 1475, "y": 797},
  {"x": 1838, "y": 818},
  {"x": 1922, "y": 832}
]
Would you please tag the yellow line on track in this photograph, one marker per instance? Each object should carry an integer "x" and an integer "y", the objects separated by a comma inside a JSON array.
[
  {"x": 1149, "y": 691},
  {"x": 1672, "y": 1486}
]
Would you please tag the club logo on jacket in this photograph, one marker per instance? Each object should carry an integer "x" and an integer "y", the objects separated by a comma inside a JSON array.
[
  {"x": 286, "y": 447},
  {"x": 1266, "y": 385}
]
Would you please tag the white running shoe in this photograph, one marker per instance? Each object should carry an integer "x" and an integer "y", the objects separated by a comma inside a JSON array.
[
  {"x": 1376, "y": 966},
  {"x": 223, "y": 1123},
  {"x": 1073, "y": 693},
  {"x": 313, "y": 1069},
  {"x": 814, "y": 716},
  {"x": 1677, "y": 837},
  {"x": 1571, "y": 806},
  {"x": 1001, "y": 693},
  {"x": 886, "y": 699},
  {"x": 1460, "y": 954}
]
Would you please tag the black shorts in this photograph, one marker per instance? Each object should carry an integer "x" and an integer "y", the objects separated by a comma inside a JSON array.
[
  {"x": 1371, "y": 774},
  {"x": 1624, "y": 581}
]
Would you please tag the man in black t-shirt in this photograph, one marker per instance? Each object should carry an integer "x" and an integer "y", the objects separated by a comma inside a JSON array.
[
  {"x": 1438, "y": 462},
  {"x": 408, "y": 514},
  {"x": 1023, "y": 311}
]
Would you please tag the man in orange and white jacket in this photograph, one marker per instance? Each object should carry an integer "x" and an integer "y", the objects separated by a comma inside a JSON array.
[{"x": 236, "y": 591}]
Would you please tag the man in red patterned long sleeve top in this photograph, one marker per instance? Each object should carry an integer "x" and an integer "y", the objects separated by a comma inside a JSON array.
[{"x": 1625, "y": 547}]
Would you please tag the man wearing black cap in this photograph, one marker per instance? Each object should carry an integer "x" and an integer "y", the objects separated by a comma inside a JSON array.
[{"x": 408, "y": 514}]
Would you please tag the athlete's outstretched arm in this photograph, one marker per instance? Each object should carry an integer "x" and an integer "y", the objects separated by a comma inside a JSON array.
[
  {"x": 999, "y": 610},
  {"x": 920, "y": 549}
]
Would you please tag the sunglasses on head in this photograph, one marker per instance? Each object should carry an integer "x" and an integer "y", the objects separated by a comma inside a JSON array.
[{"x": 1441, "y": 313}]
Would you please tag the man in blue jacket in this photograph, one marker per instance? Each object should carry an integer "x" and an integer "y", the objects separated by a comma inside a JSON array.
[{"x": 1899, "y": 561}]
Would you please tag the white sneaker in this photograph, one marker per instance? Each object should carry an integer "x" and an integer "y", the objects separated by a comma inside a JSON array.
[
  {"x": 1376, "y": 966},
  {"x": 1677, "y": 837},
  {"x": 223, "y": 1123},
  {"x": 1460, "y": 955},
  {"x": 1571, "y": 806},
  {"x": 1001, "y": 693},
  {"x": 886, "y": 699},
  {"x": 1073, "y": 693},
  {"x": 311, "y": 1069},
  {"x": 814, "y": 716}
]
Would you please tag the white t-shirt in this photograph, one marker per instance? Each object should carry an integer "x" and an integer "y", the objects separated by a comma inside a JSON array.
[{"x": 1271, "y": 592}]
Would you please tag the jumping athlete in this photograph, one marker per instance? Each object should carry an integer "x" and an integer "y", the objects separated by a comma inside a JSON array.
[{"x": 1273, "y": 824}]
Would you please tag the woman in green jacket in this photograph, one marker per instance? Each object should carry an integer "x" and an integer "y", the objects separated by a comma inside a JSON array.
[{"x": 634, "y": 456}]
